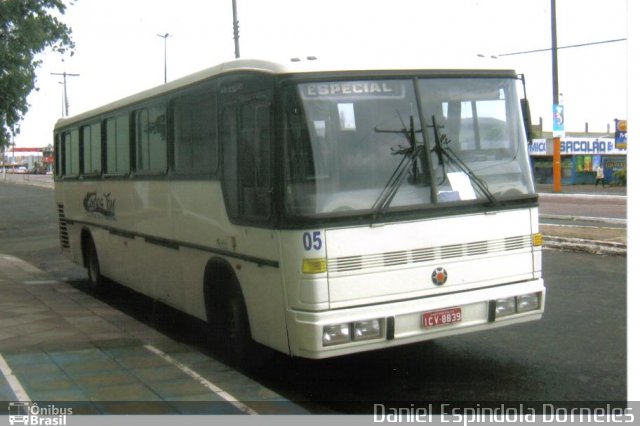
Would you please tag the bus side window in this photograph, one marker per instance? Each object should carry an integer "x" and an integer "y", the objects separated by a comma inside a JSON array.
[
  {"x": 117, "y": 141},
  {"x": 195, "y": 138},
  {"x": 71, "y": 153},
  {"x": 151, "y": 140},
  {"x": 255, "y": 142},
  {"x": 229, "y": 134},
  {"x": 92, "y": 150},
  {"x": 246, "y": 136},
  {"x": 58, "y": 155}
]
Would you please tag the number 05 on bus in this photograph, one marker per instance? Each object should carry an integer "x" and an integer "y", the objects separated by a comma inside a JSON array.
[{"x": 314, "y": 209}]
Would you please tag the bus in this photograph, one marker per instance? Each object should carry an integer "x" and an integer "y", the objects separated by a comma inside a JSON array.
[{"x": 316, "y": 210}]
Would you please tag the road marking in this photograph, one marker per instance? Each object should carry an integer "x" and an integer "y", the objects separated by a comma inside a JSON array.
[
  {"x": 13, "y": 381},
  {"x": 212, "y": 387}
]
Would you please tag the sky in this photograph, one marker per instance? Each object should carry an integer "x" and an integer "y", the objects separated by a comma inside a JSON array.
[{"x": 119, "y": 53}]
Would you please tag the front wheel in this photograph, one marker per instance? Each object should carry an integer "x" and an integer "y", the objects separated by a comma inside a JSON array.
[
  {"x": 237, "y": 329},
  {"x": 229, "y": 326}
]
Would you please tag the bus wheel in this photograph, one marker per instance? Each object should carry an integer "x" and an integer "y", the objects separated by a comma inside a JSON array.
[
  {"x": 96, "y": 280},
  {"x": 237, "y": 329},
  {"x": 229, "y": 325}
]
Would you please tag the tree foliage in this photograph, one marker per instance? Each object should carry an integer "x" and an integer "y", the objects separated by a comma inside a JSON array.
[{"x": 27, "y": 27}]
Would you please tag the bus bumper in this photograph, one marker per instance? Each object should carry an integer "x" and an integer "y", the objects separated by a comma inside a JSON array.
[{"x": 338, "y": 332}]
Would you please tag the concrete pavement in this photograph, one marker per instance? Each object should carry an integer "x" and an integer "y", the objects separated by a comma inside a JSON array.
[{"x": 61, "y": 345}]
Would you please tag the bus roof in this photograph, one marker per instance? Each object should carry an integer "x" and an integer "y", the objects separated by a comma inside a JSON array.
[{"x": 305, "y": 65}]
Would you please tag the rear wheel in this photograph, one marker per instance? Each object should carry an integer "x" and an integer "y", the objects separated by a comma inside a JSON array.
[{"x": 96, "y": 280}]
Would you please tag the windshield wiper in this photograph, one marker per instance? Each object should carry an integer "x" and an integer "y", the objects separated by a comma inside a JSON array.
[
  {"x": 442, "y": 149},
  {"x": 409, "y": 156}
]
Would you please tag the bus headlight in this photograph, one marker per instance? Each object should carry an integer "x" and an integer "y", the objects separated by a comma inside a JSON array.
[
  {"x": 336, "y": 334},
  {"x": 506, "y": 306},
  {"x": 517, "y": 304},
  {"x": 356, "y": 331},
  {"x": 365, "y": 330},
  {"x": 528, "y": 302}
]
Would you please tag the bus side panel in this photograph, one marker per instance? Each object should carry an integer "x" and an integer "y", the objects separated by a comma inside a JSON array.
[
  {"x": 201, "y": 220},
  {"x": 263, "y": 294},
  {"x": 107, "y": 205},
  {"x": 192, "y": 266},
  {"x": 156, "y": 255},
  {"x": 157, "y": 238}
]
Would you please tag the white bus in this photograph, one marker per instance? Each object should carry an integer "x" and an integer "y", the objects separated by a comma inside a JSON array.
[{"x": 317, "y": 211}]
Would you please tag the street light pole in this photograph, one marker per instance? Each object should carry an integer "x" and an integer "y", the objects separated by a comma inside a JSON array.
[
  {"x": 165, "y": 36},
  {"x": 236, "y": 30},
  {"x": 557, "y": 166},
  {"x": 64, "y": 88}
]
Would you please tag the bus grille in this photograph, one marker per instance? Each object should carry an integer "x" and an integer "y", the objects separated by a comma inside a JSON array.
[
  {"x": 62, "y": 226},
  {"x": 428, "y": 254}
]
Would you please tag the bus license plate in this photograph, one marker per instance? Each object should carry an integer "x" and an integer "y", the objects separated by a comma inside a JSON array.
[{"x": 443, "y": 317}]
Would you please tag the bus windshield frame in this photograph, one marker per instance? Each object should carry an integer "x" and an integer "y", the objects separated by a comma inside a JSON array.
[{"x": 364, "y": 147}]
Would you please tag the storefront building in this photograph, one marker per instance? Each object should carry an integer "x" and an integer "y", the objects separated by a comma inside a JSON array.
[{"x": 580, "y": 158}]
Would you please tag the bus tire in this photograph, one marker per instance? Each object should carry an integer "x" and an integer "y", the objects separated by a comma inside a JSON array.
[
  {"x": 92, "y": 263},
  {"x": 228, "y": 319}
]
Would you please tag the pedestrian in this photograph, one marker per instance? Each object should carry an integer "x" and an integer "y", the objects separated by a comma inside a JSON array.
[{"x": 599, "y": 176}]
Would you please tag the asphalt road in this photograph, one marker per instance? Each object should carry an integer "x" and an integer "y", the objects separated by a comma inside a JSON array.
[
  {"x": 577, "y": 352},
  {"x": 612, "y": 207}
]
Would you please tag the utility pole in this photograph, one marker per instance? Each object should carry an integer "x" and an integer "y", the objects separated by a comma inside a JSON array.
[
  {"x": 165, "y": 36},
  {"x": 64, "y": 88},
  {"x": 557, "y": 165},
  {"x": 236, "y": 31}
]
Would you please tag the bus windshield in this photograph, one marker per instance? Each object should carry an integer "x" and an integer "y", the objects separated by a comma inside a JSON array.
[{"x": 371, "y": 146}]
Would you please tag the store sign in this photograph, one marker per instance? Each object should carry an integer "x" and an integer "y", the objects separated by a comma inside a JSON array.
[{"x": 582, "y": 146}]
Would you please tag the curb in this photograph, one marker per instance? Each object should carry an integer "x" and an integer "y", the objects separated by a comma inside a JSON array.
[
  {"x": 570, "y": 218},
  {"x": 586, "y": 246},
  {"x": 582, "y": 195}
]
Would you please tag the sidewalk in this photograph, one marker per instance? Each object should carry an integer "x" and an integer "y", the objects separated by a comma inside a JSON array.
[
  {"x": 59, "y": 345},
  {"x": 598, "y": 235},
  {"x": 45, "y": 181},
  {"x": 588, "y": 189}
]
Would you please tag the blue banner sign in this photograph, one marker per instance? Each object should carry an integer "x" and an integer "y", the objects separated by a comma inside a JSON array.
[
  {"x": 621, "y": 134},
  {"x": 558, "y": 120}
]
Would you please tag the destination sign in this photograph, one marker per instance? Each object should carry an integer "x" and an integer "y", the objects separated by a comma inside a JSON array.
[{"x": 353, "y": 88}]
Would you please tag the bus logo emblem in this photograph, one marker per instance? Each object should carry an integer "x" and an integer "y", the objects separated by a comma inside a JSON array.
[
  {"x": 439, "y": 276},
  {"x": 102, "y": 205}
]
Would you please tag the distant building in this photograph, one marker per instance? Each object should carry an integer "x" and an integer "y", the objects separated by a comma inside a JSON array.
[
  {"x": 581, "y": 154},
  {"x": 33, "y": 160}
]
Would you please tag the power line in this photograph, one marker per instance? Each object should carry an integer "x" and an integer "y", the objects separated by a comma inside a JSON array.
[{"x": 564, "y": 47}]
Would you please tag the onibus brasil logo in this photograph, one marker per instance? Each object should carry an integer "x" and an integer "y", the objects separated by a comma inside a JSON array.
[{"x": 29, "y": 413}]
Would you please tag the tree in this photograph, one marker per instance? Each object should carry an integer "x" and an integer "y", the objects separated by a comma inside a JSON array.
[{"x": 27, "y": 27}]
